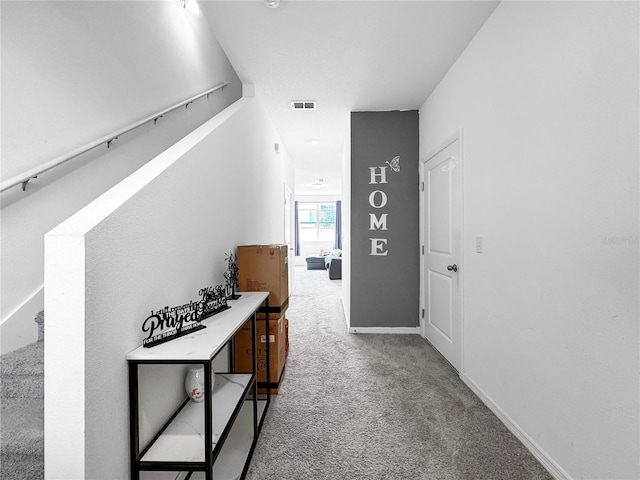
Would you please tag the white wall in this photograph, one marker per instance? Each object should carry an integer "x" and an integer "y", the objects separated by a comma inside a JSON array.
[
  {"x": 547, "y": 95},
  {"x": 154, "y": 239},
  {"x": 346, "y": 223},
  {"x": 71, "y": 73}
]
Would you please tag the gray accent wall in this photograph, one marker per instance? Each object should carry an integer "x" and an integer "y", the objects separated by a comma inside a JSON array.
[{"x": 385, "y": 256}]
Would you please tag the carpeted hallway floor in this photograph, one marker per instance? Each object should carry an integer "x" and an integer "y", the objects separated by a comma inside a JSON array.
[
  {"x": 375, "y": 407},
  {"x": 350, "y": 407}
]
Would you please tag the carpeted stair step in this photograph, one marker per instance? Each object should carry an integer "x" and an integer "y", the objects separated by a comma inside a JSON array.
[
  {"x": 22, "y": 372},
  {"x": 22, "y": 411},
  {"x": 22, "y": 467},
  {"x": 22, "y": 438},
  {"x": 22, "y": 427}
]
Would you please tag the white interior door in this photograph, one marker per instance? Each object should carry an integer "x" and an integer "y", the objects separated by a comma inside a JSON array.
[{"x": 442, "y": 259}]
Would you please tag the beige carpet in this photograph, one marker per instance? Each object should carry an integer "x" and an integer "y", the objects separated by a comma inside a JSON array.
[{"x": 375, "y": 407}]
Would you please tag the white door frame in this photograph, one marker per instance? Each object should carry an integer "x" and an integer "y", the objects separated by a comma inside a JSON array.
[
  {"x": 289, "y": 215},
  {"x": 460, "y": 137}
]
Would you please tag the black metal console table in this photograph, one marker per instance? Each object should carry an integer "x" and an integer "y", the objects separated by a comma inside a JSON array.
[{"x": 217, "y": 435}]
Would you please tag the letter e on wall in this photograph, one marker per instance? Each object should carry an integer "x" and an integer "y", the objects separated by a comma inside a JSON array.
[{"x": 379, "y": 247}]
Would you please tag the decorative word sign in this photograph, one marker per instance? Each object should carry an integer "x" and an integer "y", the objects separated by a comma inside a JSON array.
[
  {"x": 214, "y": 300},
  {"x": 170, "y": 323},
  {"x": 231, "y": 276},
  {"x": 378, "y": 199}
]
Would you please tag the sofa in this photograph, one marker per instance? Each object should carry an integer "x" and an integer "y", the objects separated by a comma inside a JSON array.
[
  {"x": 331, "y": 261},
  {"x": 315, "y": 262},
  {"x": 335, "y": 268}
]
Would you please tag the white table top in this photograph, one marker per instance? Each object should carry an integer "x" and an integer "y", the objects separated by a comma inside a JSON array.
[{"x": 204, "y": 344}]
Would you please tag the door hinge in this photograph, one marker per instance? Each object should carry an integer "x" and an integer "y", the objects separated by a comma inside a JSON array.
[
  {"x": 423, "y": 313},
  {"x": 422, "y": 249},
  {"x": 422, "y": 186}
]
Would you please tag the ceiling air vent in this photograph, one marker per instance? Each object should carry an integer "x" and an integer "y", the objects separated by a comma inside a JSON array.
[{"x": 304, "y": 104}]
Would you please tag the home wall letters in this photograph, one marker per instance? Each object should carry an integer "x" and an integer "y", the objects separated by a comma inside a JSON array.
[{"x": 378, "y": 199}]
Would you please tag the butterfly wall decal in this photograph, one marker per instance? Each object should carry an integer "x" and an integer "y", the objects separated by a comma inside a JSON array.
[{"x": 394, "y": 164}]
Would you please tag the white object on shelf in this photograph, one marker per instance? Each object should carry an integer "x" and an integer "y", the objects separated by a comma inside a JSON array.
[{"x": 194, "y": 383}]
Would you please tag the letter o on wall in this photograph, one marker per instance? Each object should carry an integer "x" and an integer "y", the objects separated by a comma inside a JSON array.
[{"x": 372, "y": 199}]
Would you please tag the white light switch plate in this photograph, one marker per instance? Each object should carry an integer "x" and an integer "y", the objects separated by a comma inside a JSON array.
[{"x": 479, "y": 244}]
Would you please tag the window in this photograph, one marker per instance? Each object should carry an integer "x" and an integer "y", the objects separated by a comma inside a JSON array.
[{"x": 317, "y": 221}]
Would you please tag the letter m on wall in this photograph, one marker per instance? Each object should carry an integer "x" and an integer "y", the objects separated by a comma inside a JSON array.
[{"x": 376, "y": 223}]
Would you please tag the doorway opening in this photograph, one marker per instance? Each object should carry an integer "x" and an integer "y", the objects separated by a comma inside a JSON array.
[{"x": 318, "y": 229}]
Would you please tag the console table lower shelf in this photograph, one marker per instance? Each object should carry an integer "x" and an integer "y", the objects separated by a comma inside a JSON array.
[{"x": 182, "y": 440}]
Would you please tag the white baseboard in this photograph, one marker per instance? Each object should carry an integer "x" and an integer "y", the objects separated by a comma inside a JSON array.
[
  {"x": 19, "y": 329},
  {"x": 390, "y": 330},
  {"x": 543, "y": 457}
]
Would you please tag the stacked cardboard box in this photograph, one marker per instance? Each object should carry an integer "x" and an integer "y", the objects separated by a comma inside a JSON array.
[
  {"x": 277, "y": 351},
  {"x": 264, "y": 268}
]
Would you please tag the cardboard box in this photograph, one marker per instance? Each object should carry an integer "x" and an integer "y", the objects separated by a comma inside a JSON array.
[
  {"x": 274, "y": 313},
  {"x": 243, "y": 350},
  {"x": 275, "y": 387},
  {"x": 264, "y": 268}
]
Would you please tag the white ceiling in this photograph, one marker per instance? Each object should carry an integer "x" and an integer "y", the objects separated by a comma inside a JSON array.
[{"x": 346, "y": 55}]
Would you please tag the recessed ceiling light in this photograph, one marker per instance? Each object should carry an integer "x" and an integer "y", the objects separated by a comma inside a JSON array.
[
  {"x": 314, "y": 142},
  {"x": 272, "y": 3}
]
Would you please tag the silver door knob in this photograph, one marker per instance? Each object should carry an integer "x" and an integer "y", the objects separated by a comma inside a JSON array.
[{"x": 453, "y": 267}]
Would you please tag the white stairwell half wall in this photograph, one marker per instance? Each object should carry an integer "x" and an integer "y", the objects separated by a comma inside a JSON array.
[
  {"x": 153, "y": 240},
  {"x": 71, "y": 73}
]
